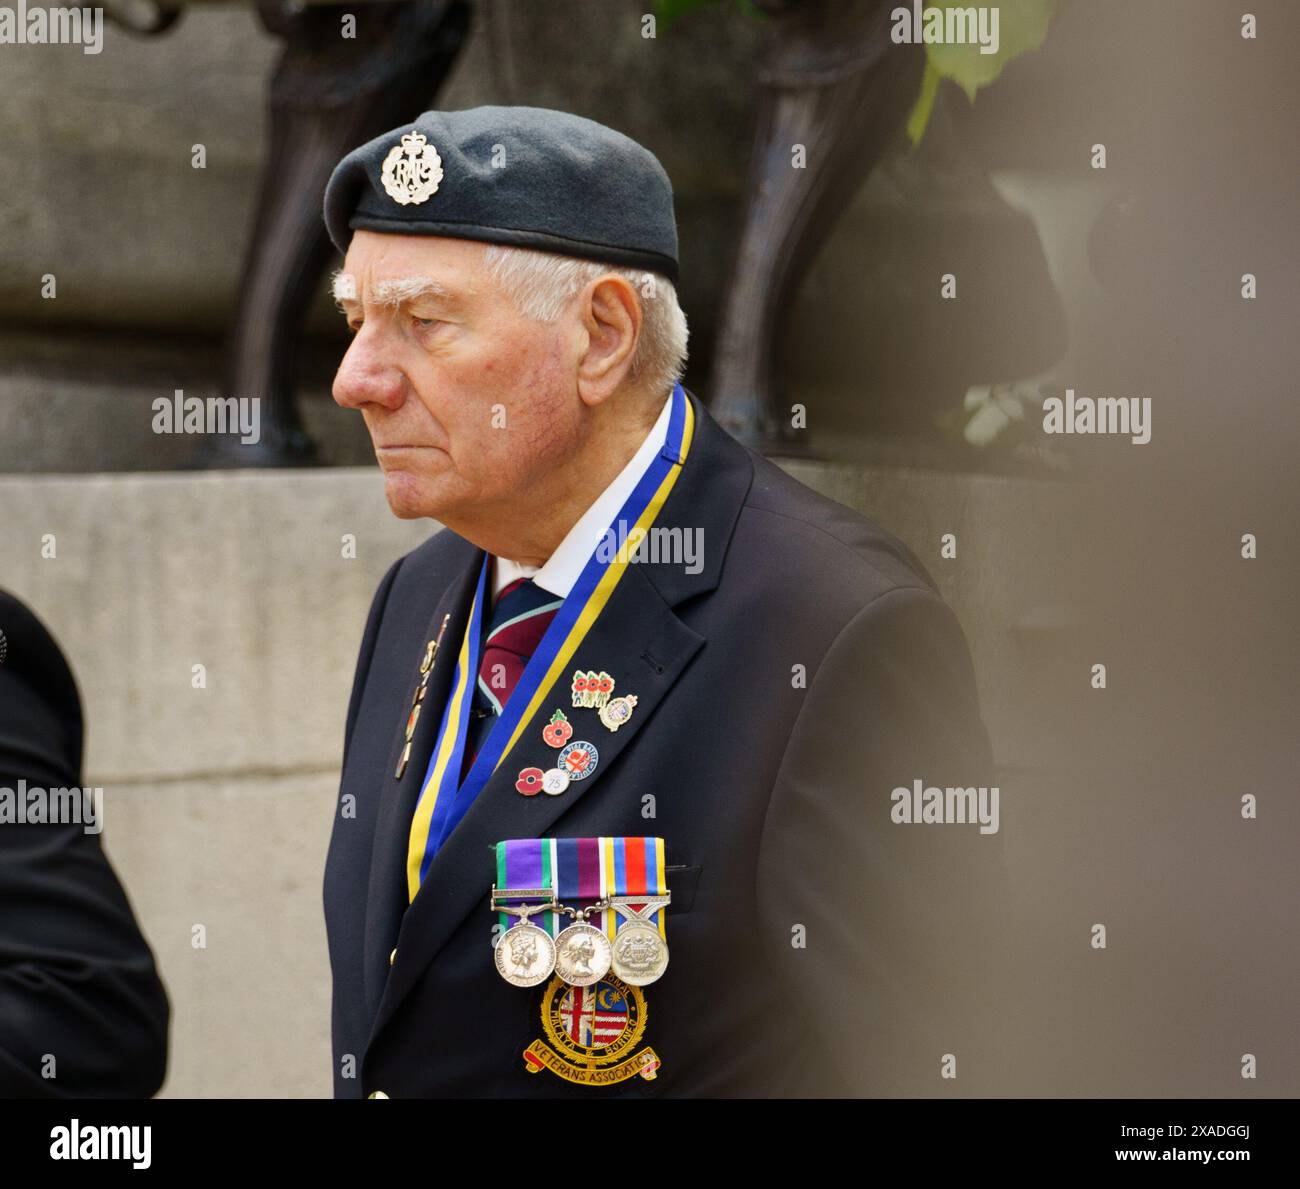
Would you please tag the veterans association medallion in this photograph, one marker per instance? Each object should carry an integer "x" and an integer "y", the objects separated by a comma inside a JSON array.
[{"x": 593, "y": 1032}]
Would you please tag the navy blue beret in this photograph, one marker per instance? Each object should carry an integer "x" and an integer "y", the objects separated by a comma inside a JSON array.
[{"x": 526, "y": 176}]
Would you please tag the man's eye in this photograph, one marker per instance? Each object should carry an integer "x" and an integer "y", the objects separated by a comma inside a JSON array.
[
  {"x": 425, "y": 322},
  {"x": 354, "y": 326}
]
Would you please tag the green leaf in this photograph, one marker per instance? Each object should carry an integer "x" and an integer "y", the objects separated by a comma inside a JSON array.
[
  {"x": 1022, "y": 26},
  {"x": 920, "y": 116},
  {"x": 668, "y": 11}
]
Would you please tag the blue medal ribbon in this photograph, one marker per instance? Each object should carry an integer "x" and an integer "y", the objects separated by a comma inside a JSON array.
[{"x": 442, "y": 802}]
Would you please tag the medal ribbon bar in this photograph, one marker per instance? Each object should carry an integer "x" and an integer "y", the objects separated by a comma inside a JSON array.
[
  {"x": 527, "y": 864},
  {"x": 634, "y": 867}
]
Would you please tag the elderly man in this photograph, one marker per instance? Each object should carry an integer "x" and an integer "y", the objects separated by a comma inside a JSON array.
[{"x": 642, "y": 691}]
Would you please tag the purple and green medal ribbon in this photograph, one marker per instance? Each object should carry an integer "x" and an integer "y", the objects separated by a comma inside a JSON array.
[
  {"x": 526, "y": 863},
  {"x": 442, "y": 803}
]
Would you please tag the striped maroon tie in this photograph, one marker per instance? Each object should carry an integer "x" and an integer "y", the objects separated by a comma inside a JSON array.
[{"x": 520, "y": 618}]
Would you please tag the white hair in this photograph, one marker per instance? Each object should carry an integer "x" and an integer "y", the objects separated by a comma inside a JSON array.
[{"x": 541, "y": 285}]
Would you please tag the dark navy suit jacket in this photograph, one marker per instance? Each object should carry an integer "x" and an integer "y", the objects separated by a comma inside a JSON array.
[
  {"x": 77, "y": 978},
  {"x": 816, "y": 947}
]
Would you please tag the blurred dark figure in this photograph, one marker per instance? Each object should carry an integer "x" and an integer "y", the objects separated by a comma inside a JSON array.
[{"x": 77, "y": 979}]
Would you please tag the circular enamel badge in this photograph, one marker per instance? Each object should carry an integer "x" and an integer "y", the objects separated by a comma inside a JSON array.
[
  {"x": 579, "y": 759},
  {"x": 554, "y": 781}
]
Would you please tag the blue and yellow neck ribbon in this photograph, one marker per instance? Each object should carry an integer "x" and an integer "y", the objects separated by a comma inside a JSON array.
[{"x": 442, "y": 801}]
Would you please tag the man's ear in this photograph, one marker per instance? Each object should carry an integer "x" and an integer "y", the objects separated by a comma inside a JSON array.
[{"x": 610, "y": 310}]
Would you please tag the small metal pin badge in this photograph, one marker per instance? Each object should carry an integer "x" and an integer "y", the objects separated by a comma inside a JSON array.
[
  {"x": 426, "y": 668},
  {"x": 591, "y": 689},
  {"x": 559, "y": 730},
  {"x": 617, "y": 711}
]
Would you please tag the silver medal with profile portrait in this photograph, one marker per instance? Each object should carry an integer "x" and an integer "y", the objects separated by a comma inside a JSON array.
[
  {"x": 525, "y": 955},
  {"x": 582, "y": 954}
]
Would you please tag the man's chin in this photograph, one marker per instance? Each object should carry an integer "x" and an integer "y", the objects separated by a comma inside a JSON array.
[{"x": 409, "y": 498}]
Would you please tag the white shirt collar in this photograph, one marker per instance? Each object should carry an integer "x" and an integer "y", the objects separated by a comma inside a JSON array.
[{"x": 562, "y": 568}]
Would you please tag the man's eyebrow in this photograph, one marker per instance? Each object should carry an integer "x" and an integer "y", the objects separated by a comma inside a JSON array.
[
  {"x": 344, "y": 287},
  {"x": 396, "y": 292}
]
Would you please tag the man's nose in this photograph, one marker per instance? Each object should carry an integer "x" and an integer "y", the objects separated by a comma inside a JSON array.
[{"x": 367, "y": 376}]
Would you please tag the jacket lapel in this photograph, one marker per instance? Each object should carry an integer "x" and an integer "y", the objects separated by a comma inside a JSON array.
[
  {"x": 387, "y": 896},
  {"x": 639, "y": 639}
]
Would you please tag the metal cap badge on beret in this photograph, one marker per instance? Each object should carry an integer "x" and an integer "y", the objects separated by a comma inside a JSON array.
[{"x": 510, "y": 175}]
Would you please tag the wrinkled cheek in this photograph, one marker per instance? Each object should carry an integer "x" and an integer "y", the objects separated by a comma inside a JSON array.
[
  {"x": 547, "y": 435},
  {"x": 532, "y": 387},
  {"x": 542, "y": 365}
]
